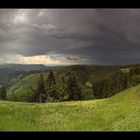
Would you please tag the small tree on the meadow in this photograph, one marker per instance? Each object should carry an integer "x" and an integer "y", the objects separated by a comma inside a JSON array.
[{"x": 87, "y": 92}]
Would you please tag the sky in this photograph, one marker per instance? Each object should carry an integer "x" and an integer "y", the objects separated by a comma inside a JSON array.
[{"x": 70, "y": 36}]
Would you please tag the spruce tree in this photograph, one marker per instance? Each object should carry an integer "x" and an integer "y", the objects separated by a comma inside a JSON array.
[
  {"x": 73, "y": 89},
  {"x": 40, "y": 91},
  {"x": 51, "y": 86},
  {"x": 51, "y": 79},
  {"x": 2, "y": 92}
]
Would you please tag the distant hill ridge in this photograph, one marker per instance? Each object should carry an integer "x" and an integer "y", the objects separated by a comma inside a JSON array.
[{"x": 24, "y": 67}]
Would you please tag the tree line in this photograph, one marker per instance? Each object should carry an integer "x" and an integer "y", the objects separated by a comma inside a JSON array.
[
  {"x": 48, "y": 90},
  {"x": 119, "y": 81},
  {"x": 68, "y": 87}
]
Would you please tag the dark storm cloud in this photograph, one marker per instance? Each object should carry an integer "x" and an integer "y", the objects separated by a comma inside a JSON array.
[
  {"x": 103, "y": 36},
  {"x": 72, "y": 58},
  {"x": 81, "y": 57}
]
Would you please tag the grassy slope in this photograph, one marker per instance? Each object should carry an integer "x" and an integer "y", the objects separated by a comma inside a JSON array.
[{"x": 120, "y": 112}]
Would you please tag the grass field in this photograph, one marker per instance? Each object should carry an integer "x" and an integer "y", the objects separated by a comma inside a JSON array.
[{"x": 118, "y": 113}]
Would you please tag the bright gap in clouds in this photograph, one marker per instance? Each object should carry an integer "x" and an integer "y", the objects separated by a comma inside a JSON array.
[
  {"x": 49, "y": 59},
  {"x": 41, "y": 59},
  {"x": 20, "y": 17}
]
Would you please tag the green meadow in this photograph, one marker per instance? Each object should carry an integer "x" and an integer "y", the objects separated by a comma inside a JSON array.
[{"x": 117, "y": 113}]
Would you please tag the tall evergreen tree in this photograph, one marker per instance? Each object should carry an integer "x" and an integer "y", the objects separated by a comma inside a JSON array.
[
  {"x": 2, "y": 92},
  {"x": 51, "y": 79},
  {"x": 40, "y": 95},
  {"x": 51, "y": 86},
  {"x": 73, "y": 89}
]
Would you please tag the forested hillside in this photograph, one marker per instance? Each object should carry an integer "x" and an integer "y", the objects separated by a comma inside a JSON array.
[
  {"x": 79, "y": 82},
  {"x": 11, "y": 73}
]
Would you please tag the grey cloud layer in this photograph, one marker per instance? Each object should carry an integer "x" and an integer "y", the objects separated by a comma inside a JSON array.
[{"x": 104, "y": 36}]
